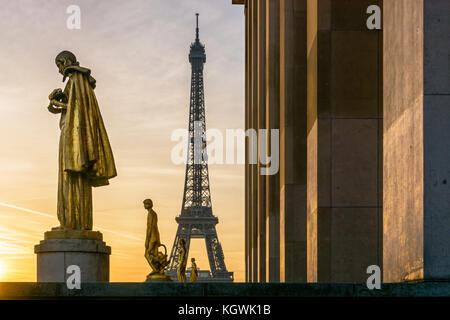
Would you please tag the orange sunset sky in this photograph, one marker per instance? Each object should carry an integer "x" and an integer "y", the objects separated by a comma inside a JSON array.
[{"x": 138, "y": 53}]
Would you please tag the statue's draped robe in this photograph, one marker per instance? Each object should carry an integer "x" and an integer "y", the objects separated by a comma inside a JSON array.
[
  {"x": 85, "y": 156},
  {"x": 194, "y": 273},
  {"x": 152, "y": 241},
  {"x": 182, "y": 260}
]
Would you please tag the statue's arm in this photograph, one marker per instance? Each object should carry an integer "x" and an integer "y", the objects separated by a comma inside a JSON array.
[
  {"x": 58, "y": 101},
  {"x": 146, "y": 254},
  {"x": 56, "y": 106},
  {"x": 54, "y": 110},
  {"x": 59, "y": 104},
  {"x": 147, "y": 240},
  {"x": 149, "y": 233}
]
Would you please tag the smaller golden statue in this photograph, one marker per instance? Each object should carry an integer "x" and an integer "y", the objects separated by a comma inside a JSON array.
[
  {"x": 181, "y": 272},
  {"x": 194, "y": 271},
  {"x": 156, "y": 259}
]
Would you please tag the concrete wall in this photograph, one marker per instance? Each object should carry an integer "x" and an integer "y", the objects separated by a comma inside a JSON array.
[{"x": 436, "y": 117}]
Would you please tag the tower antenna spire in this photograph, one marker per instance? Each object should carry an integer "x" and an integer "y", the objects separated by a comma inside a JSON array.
[{"x": 196, "y": 29}]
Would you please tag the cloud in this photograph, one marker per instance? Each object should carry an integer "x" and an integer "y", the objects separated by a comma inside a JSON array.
[{"x": 7, "y": 205}]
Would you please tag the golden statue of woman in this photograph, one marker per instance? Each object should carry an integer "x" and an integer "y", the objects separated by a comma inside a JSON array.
[
  {"x": 152, "y": 240},
  {"x": 194, "y": 271},
  {"x": 182, "y": 258},
  {"x": 85, "y": 156},
  {"x": 156, "y": 259}
]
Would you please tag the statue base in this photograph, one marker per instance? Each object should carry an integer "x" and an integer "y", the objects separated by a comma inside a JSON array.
[
  {"x": 57, "y": 233},
  {"x": 156, "y": 277},
  {"x": 63, "y": 248}
]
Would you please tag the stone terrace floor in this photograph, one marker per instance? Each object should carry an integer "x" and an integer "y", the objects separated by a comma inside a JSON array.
[{"x": 28, "y": 290}]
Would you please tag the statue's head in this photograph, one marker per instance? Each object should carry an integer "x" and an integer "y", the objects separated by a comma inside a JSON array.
[
  {"x": 148, "y": 204},
  {"x": 193, "y": 260},
  {"x": 65, "y": 59},
  {"x": 182, "y": 242}
]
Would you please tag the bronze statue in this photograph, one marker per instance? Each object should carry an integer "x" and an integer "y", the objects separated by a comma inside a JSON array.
[
  {"x": 85, "y": 156},
  {"x": 156, "y": 259},
  {"x": 182, "y": 259},
  {"x": 194, "y": 271}
]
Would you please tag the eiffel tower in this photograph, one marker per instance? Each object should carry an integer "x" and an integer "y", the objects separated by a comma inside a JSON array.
[{"x": 196, "y": 219}]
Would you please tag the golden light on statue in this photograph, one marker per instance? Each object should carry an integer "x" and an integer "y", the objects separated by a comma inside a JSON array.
[
  {"x": 85, "y": 161},
  {"x": 156, "y": 259}
]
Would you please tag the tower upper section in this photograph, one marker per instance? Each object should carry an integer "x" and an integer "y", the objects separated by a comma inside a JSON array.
[{"x": 197, "y": 52}]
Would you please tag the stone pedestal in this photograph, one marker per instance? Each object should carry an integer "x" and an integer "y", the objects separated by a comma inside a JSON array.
[
  {"x": 153, "y": 278},
  {"x": 62, "y": 248}
]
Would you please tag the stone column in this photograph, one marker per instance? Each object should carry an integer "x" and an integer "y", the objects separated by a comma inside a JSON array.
[
  {"x": 261, "y": 124},
  {"x": 248, "y": 155},
  {"x": 416, "y": 140},
  {"x": 248, "y": 208},
  {"x": 253, "y": 141},
  {"x": 273, "y": 122},
  {"x": 293, "y": 141},
  {"x": 344, "y": 143}
]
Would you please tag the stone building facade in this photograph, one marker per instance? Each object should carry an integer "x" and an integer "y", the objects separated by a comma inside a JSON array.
[{"x": 364, "y": 120}]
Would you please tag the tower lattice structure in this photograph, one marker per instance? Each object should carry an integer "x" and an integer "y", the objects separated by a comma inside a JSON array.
[{"x": 196, "y": 219}]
